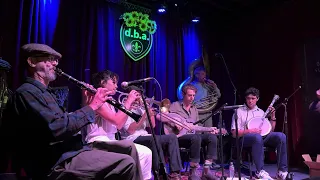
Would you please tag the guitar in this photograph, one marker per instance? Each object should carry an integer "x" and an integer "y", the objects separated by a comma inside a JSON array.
[{"x": 187, "y": 128}]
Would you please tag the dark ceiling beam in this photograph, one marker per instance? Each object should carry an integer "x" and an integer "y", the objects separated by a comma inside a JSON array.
[
  {"x": 215, "y": 4},
  {"x": 132, "y": 6}
]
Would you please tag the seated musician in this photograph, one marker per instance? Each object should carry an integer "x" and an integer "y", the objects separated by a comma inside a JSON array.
[
  {"x": 136, "y": 132},
  {"x": 188, "y": 114},
  {"x": 41, "y": 135},
  {"x": 252, "y": 138},
  {"x": 101, "y": 133}
]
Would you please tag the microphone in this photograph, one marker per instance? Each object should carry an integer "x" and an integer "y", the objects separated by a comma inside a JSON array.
[
  {"x": 220, "y": 108},
  {"x": 232, "y": 107},
  {"x": 125, "y": 84}
]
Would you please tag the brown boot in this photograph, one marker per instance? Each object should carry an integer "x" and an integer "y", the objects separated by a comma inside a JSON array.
[
  {"x": 209, "y": 176},
  {"x": 174, "y": 176},
  {"x": 194, "y": 175}
]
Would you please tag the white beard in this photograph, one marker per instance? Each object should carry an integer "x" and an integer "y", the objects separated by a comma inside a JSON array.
[{"x": 51, "y": 76}]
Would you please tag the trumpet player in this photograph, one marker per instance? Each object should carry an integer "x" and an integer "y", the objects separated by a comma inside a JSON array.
[
  {"x": 101, "y": 134},
  {"x": 136, "y": 132},
  {"x": 194, "y": 141}
]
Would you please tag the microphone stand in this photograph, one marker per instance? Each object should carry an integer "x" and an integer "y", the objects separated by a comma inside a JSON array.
[
  {"x": 220, "y": 139},
  {"x": 219, "y": 110},
  {"x": 235, "y": 110},
  {"x": 237, "y": 144},
  {"x": 162, "y": 170},
  {"x": 286, "y": 131},
  {"x": 285, "y": 121}
]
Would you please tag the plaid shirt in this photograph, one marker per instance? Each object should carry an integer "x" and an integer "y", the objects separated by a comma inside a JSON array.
[{"x": 43, "y": 132}]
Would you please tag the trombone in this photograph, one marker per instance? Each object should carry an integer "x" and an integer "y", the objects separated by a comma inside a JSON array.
[{"x": 164, "y": 106}]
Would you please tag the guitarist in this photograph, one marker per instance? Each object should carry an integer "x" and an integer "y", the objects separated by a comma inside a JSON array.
[
  {"x": 252, "y": 138},
  {"x": 192, "y": 140}
]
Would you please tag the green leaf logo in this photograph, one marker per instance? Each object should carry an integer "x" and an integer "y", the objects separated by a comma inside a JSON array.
[
  {"x": 136, "y": 34},
  {"x": 135, "y": 43}
]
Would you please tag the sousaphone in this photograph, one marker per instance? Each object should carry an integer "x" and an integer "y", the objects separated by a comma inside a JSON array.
[{"x": 206, "y": 104}]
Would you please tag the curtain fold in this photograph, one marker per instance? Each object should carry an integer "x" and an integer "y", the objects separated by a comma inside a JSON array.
[{"x": 87, "y": 34}]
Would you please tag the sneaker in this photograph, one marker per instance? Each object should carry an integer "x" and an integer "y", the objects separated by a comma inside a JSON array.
[
  {"x": 263, "y": 175},
  {"x": 282, "y": 175},
  {"x": 214, "y": 166}
]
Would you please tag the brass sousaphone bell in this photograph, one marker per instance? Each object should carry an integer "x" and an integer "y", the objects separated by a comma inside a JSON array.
[{"x": 204, "y": 105}]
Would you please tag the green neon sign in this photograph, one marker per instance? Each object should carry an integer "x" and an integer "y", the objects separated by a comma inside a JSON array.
[{"x": 136, "y": 34}]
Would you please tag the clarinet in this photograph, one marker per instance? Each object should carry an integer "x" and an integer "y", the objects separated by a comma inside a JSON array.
[{"x": 113, "y": 102}]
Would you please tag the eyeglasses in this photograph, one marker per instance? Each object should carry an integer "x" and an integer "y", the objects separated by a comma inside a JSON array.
[
  {"x": 52, "y": 59},
  {"x": 46, "y": 58}
]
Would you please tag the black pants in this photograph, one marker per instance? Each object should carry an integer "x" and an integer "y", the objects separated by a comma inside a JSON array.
[
  {"x": 194, "y": 143},
  {"x": 169, "y": 142}
]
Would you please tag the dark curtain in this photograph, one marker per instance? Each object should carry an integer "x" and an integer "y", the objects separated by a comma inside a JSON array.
[
  {"x": 86, "y": 33},
  {"x": 275, "y": 48}
]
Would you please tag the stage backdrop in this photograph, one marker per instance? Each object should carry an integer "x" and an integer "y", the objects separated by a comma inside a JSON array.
[{"x": 86, "y": 33}]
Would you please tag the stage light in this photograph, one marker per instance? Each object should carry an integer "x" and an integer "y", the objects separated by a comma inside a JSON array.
[
  {"x": 162, "y": 9},
  {"x": 196, "y": 19}
]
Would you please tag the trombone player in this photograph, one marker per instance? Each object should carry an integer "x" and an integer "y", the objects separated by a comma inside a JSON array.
[{"x": 136, "y": 132}]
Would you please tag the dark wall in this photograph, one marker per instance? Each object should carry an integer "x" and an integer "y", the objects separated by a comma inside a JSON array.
[{"x": 264, "y": 46}]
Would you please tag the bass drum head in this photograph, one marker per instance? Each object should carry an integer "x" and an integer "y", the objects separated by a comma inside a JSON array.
[{"x": 256, "y": 122}]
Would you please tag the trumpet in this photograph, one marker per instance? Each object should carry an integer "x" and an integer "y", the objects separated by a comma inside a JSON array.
[{"x": 123, "y": 97}]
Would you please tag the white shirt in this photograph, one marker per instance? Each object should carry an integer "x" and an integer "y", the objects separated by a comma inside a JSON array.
[
  {"x": 141, "y": 131},
  {"x": 100, "y": 130},
  {"x": 244, "y": 115}
]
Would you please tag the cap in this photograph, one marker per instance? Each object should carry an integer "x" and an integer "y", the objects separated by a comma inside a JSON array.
[{"x": 34, "y": 49}]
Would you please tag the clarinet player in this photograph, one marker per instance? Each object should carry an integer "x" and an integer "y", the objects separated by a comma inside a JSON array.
[{"x": 42, "y": 134}]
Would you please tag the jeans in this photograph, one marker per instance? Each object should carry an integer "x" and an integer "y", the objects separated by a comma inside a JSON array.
[{"x": 256, "y": 142}]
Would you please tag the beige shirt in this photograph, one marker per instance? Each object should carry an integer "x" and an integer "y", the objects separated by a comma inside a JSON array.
[{"x": 191, "y": 115}]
